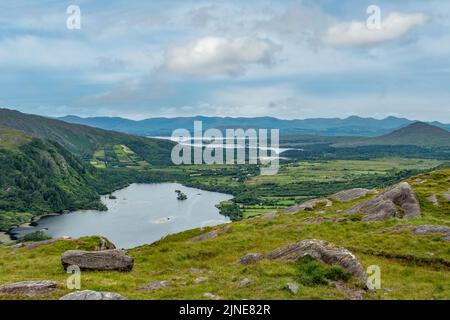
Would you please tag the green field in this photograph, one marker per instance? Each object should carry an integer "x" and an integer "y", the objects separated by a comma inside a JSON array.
[{"x": 117, "y": 156}]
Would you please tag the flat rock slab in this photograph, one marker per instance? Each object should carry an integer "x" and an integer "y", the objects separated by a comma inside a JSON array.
[
  {"x": 152, "y": 286},
  {"x": 211, "y": 235},
  {"x": 29, "y": 288},
  {"x": 350, "y": 195},
  {"x": 105, "y": 260},
  {"x": 384, "y": 206},
  {"x": 308, "y": 206},
  {"x": 93, "y": 295},
  {"x": 424, "y": 230},
  {"x": 324, "y": 251}
]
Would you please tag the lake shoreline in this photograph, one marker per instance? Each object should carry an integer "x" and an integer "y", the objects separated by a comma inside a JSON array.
[{"x": 138, "y": 214}]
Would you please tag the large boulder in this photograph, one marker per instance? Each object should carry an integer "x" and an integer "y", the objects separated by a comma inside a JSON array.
[
  {"x": 98, "y": 260},
  {"x": 29, "y": 288},
  {"x": 92, "y": 295},
  {"x": 386, "y": 205},
  {"x": 324, "y": 251},
  {"x": 350, "y": 195}
]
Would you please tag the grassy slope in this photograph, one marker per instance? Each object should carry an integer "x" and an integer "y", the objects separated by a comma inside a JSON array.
[{"x": 412, "y": 267}]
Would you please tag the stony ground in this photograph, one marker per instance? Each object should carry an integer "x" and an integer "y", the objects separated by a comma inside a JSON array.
[{"x": 414, "y": 258}]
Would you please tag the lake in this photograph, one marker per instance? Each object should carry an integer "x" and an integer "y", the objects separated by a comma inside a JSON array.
[{"x": 140, "y": 214}]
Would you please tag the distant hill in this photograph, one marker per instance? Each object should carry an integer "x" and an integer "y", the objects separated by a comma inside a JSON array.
[
  {"x": 416, "y": 134},
  {"x": 351, "y": 126},
  {"x": 83, "y": 140}
]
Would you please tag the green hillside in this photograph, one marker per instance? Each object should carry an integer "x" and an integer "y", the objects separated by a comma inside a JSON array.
[
  {"x": 82, "y": 140},
  {"x": 40, "y": 177}
]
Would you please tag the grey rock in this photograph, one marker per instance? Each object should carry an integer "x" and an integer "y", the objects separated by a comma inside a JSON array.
[
  {"x": 293, "y": 288},
  {"x": 152, "y": 286},
  {"x": 244, "y": 282},
  {"x": 200, "y": 279},
  {"x": 307, "y": 206},
  {"x": 350, "y": 293},
  {"x": 211, "y": 235},
  {"x": 446, "y": 196},
  {"x": 211, "y": 296},
  {"x": 195, "y": 271},
  {"x": 433, "y": 199},
  {"x": 250, "y": 258},
  {"x": 420, "y": 181},
  {"x": 93, "y": 295},
  {"x": 324, "y": 251},
  {"x": 98, "y": 260},
  {"x": 29, "y": 288},
  {"x": 350, "y": 195},
  {"x": 424, "y": 230},
  {"x": 270, "y": 215},
  {"x": 384, "y": 206}
]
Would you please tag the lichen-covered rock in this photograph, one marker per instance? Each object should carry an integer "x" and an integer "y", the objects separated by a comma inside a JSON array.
[
  {"x": 384, "y": 205},
  {"x": 98, "y": 260},
  {"x": 350, "y": 195},
  {"x": 93, "y": 295},
  {"x": 29, "y": 288},
  {"x": 250, "y": 258},
  {"x": 211, "y": 235},
  {"x": 323, "y": 251},
  {"x": 307, "y": 205}
]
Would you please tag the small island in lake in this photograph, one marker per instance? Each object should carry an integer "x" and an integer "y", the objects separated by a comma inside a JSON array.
[{"x": 181, "y": 195}]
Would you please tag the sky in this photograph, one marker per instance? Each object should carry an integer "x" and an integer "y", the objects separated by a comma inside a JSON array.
[{"x": 286, "y": 59}]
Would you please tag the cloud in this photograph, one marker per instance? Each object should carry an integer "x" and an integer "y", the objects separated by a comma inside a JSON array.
[
  {"x": 356, "y": 33},
  {"x": 220, "y": 56}
]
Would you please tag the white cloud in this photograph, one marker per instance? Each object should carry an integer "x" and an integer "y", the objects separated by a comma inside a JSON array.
[
  {"x": 356, "y": 33},
  {"x": 219, "y": 56}
]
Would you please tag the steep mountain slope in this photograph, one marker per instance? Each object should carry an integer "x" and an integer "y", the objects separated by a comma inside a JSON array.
[
  {"x": 413, "y": 263},
  {"x": 351, "y": 126},
  {"x": 40, "y": 177},
  {"x": 83, "y": 140}
]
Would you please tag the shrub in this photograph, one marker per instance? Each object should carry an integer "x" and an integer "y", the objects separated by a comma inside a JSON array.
[
  {"x": 35, "y": 236},
  {"x": 312, "y": 272}
]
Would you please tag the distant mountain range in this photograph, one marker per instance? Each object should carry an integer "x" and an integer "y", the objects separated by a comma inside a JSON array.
[{"x": 351, "y": 126}]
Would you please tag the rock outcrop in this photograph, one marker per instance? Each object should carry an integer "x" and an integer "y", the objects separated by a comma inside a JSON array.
[
  {"x": 155, "y": 285},
  {"x": 397, "y": 201},
  {"x": 29, "y": 288},
  {"x": 323, "y": 251},
  {"x": 424, "y": 230},
  {"x": 350, "y": 195},
  {"x": 307, "y": 206},
  {"x": 433, "y": 199},
  {"x": 93, "y": 295},
  {"x": 211, "y": 235},
  {"x": 250, "y": 258},
  {"x": 98, "y": 260}
]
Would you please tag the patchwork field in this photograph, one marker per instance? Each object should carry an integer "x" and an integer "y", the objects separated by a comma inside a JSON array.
[{"x": 117, "y": 156}]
